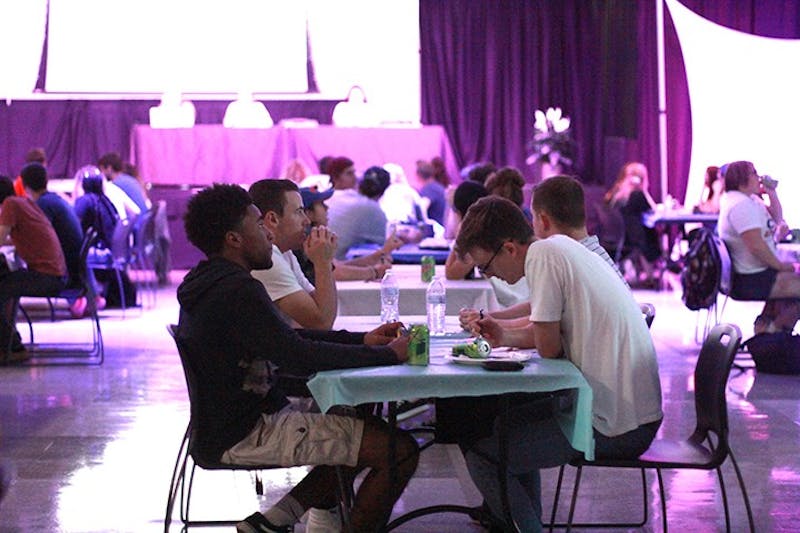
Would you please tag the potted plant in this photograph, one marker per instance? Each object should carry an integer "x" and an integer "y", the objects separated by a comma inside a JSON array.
[{"x": 552, "y": 145}]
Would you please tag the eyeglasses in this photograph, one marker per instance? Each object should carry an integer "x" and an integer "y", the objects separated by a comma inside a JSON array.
[{"x": 484, "y": 268}]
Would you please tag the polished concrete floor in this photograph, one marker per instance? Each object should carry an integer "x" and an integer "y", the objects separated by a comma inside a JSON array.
[{"x": 93, "y": 447}]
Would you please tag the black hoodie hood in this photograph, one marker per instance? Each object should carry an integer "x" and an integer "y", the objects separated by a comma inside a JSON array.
[{"x": 204, "y": 276}]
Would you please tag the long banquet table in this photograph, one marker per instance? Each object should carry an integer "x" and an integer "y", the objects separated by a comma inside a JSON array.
[{"x": 209, "y": 153}]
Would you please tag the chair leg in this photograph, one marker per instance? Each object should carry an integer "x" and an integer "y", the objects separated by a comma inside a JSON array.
[
  {"x": 662, "y": 495},
  {"x": 724, "y": 500},
  {"x": 574, "y": 497},
  {"x": 345, "y": 500},
  {"x": 644, "y": 499},
  {"x": 556, "y": 497},
  {"x": 744, "y": 492},
  {"x": 121, "y": 291},
  {"x": 186, "y": 495},
  {"x": 176, "y": 483}
]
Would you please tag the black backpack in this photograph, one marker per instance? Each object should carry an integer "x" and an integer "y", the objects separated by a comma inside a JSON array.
[{"x": 702, "y": 270}]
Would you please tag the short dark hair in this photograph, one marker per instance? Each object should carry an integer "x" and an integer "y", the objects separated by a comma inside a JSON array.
[
  {"x": 270, "y": 194},
  {"x": 213, "y": 212},
  {"x": 34, "y": 176},
  {"x": 508, "y": 183},
  {"x": 480, "y": 171},
  {"x": 561, "y": 197},
  {"x": 111, "y": 159},
  {"x": 425, "y": 170},
  {"x": 6, "y": 188},
  {"x": 466, "y": 194},
  {"x": 737, "y": 174},
  {"x": 374, "y": 183},
  {"x": 36, "y": 155},
  {"x": 489, "y": 223},
  {"x": 337, "y": 165}
]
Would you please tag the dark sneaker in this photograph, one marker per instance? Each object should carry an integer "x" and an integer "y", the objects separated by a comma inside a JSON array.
[{"x": 256, "y": 523}]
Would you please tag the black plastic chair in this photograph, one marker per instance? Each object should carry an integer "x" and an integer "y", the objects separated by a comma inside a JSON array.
[
  {"x": 611, "y": 231},
  {"x": 188, "y": 459},
  {"x": 144, "y": 248},
  {"x": 119, "y": 258},
  {"x": 706, "y": 448},
  {"x": 71, "y": 352}
]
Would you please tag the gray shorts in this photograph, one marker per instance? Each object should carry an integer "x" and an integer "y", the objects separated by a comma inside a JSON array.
[{"x": 294, "y": 438}]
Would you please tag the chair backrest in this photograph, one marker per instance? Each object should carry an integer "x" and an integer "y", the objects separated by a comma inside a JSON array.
[
  {"x": 611, "y": 229},
  {"x": 145, "y": 233},
  {"x": 726, "y": 269},
  {"x": 194, "y": 398},
  {"x": 710, "y": 381},
  {"x": 122, "y": 241},
  {"x": 82, "y": 286},
  {"x": 648, "y": 312}
]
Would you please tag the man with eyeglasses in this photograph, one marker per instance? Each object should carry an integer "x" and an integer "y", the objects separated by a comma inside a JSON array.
[
  {"x": 569, "y": 220},
  {"x": 580, "y": 310}
]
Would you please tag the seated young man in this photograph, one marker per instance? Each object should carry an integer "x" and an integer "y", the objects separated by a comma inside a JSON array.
[
  {"x": 580, "y": 310},
  {"x": 304, "y": 304},
  {"x": 36, "y": 242},
  {"x": 568, "y": 217},
  {"x": 367, "y": 267},
  {"x": 236, "y": 341}
]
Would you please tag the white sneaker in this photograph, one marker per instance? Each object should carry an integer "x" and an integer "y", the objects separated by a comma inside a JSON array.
[{"x": 323, "y": 521}]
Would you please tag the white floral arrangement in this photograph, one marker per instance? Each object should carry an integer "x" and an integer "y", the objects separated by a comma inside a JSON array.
[{"x": 551, "y": 140}]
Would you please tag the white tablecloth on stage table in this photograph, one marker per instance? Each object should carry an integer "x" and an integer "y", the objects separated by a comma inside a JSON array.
[{"x": 210, "y": 153}]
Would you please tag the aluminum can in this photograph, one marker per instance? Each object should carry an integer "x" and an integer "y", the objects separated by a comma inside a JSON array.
[
  {"x": 768, "y": 182},
  {"x": 419, "y": 345},
  {"x": 427, "y": 268}
]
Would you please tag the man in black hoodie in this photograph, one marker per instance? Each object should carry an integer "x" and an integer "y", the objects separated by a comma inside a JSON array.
[{"x": 235, "y": 340}]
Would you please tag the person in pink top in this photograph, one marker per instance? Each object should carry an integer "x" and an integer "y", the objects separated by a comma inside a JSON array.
[{"x": 36, "y": 243}]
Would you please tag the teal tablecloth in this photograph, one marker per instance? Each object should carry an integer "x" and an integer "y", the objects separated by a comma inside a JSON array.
[{"x": 442, "y": 379}]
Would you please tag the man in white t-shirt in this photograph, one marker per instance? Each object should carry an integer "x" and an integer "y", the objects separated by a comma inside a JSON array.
[
  {"x": 580, "y": 310},
  {"x": 303, "y": 304},
  {"x": 570, "y": 220}
]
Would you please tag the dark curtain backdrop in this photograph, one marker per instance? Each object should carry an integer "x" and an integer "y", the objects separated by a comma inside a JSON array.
[{"x": 486, "y": 66}]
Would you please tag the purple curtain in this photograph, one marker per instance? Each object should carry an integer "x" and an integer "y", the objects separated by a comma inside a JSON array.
[{"x": 486, "y": 66}]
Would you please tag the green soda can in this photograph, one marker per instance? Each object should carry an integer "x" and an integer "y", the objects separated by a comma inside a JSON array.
[
  {"x": 419, "y": 345},
  {"x": 428, "y": 270}
]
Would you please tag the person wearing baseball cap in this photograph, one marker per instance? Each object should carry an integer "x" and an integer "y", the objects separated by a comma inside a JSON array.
[{"x": 368, "y": 267}]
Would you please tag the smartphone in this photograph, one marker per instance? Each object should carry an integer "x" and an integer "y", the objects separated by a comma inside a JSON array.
[{"x": 502, "y": 366}]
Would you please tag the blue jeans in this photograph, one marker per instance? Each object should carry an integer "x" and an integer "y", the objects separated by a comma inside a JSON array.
[{"x": 534, "y": 444}]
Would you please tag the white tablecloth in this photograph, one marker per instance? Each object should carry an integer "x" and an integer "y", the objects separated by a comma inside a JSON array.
[{"x": 364, "y": 297}]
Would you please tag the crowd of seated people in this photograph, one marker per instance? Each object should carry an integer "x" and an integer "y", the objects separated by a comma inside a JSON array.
[{"x": 102, "y": 196}]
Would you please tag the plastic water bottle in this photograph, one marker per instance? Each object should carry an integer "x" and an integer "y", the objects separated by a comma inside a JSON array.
[
  {"x": 436, "y": 299},
  {"x": 390, "y": 298}
]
